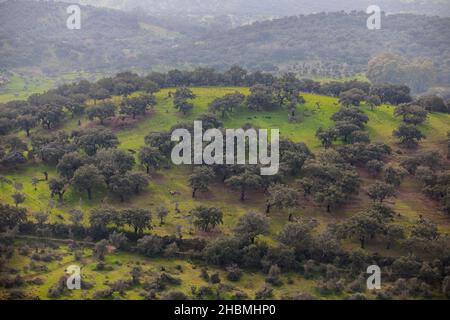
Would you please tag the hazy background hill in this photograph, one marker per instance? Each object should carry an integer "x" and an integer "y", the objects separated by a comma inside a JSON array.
[
  {"x": 258, "y": 8},
  {"x": 33, "y": 35},
  {"x": 322, "y": 42}
]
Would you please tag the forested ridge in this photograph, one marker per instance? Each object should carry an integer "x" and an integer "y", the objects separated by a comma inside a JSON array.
[
  {"x": 334, "y": 44},
  {"x": 86, "y": 169}
]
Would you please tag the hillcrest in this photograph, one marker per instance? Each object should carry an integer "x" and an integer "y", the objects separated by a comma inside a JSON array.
[{"x": 236, "y": 142}]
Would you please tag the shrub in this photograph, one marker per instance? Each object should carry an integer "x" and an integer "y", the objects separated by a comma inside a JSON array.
[
  {"x": 215, "y": 278},
  {"x": 175, "y": 295},
  {"x": 266, "y": 292},
  {"x": 234, "y": 273}
]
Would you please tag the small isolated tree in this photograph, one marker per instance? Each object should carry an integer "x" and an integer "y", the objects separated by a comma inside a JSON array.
[
  {"x": 281, "y": 196},
  {"x": 392, "y": 234},
  {"x": 87, "y": 178},
  {"x": 181, "y": 97},
  {"x": 150, "y": 157},
  {"x": 409, "y": 135},
  {"x": 298, "y": 235},
  {"x": 34, "y": 182},
  {"x": 207, "y": 218},
  {"x": 226, "y": 104},
  {"x": 101, "y": 249},
  {"x": 394, "y": 175},
  {"x": 118, "y": 240},
  {"x": 352, "y": 97},
  {"x": 363, "y": 226},
  {"x": 244, "y": 181},
  {"x": 27, "y": 122},
  {"x": 162, "y": 212},
  {"x": 379, "y": 191},
  {"x": 41, "y": 217},
  {"x": 411, "y": 114},
  {"x": 138, "y": 219},
  {"x": 57, "y": 187},
  {"x": 18, "y": 198},
  {"x": 150, "y": 246},
  {"x": 252, "y": 225},
  {"x": 200, "y": 179},
  {"x": 327, "y": 136}
]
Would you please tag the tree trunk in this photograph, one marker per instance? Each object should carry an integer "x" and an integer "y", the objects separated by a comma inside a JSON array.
[
  {"x": 148, "y": 169},
  {"x": 89, "y": 192},
  {"x": 363, "y": 243},
  {"x": 268, "y": 208},
  {"x": 193, "y": 193},
  {"x": 242, "y": 195},
  {"x": 28, "y": 132},
  {"x": 328, "y": 208}
]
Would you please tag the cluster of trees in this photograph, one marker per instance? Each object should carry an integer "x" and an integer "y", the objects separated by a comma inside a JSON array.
[
  {"x": 329, "y": 180},
  {"x": 321, "y": 256},
  {"x": 407, "y": 132},
  {"x": 349, "y": 127},
  {"x": 52, "y": 107},
  {"x": 88, "y": 160},
  {"x": 418, "y": 74},
  {"x": 277, "y": 42},
  {"x": 106, "y": 217}
]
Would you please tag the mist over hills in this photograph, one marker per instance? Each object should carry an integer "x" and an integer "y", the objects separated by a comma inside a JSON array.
[
  {"x": 268, "y": 8},
  {"x": 33, "y": 34}
]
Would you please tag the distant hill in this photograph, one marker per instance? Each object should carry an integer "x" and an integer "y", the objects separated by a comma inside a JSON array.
[
  {"x": 323, "y": 41},
  {"x": 267, "y": 8},
  {"x": 35, "y": 34}
]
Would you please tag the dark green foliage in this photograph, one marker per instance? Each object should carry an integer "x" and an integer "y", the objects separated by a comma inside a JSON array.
[
  {"x": 206, "y": 218},
  {"x": 11, "y": 216},
  {"x": 88, "y": 178},
  {"x": 93, "y": 139},
  {"x": 408, "y": 135},
  {"x": 101, "y": 111},
  {"x": 250, "y": 225}
]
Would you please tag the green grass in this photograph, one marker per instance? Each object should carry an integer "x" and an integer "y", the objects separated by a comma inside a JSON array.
[
  {"x": 164, "y": 116},
  {"x": 22, "y": 85},
  {"x": 410, "y": 202},
  {"x": 120, "y": 264}
]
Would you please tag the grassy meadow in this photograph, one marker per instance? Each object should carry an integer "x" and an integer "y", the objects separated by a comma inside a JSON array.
[{"x": 315, "y": 113}]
